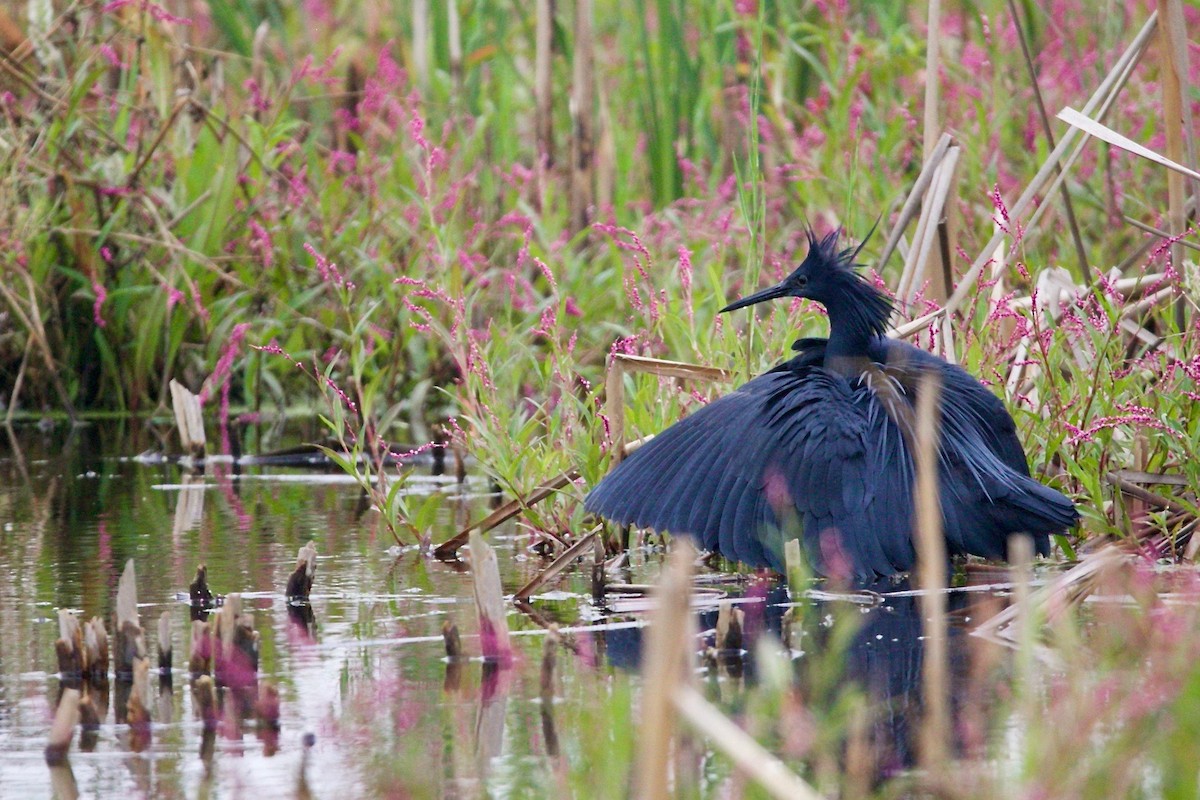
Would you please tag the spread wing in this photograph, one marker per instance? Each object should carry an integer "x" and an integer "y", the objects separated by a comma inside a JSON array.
[{"x": 797, "y": 447}]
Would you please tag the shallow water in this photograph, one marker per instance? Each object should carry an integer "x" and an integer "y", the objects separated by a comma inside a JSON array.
[{"x": 367, "y": 683}]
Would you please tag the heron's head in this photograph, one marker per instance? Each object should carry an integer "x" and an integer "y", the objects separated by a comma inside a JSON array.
[{"x": 828, "y": 276}]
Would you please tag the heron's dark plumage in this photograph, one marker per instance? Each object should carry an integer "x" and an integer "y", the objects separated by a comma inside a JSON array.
[{"x": 822, "y": 441}]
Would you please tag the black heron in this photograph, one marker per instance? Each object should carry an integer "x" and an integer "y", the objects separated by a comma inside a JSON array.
[{"x": 823, "y": 442}]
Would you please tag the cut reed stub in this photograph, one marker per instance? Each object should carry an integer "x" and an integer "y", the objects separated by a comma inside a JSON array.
[
  {"x": 202, "y": 598},
  {"x": 204, "y": 700},
  {"x": 201, "y": 660},
  {"x": 452, "y": 640},
  {"x": 164, "y": 643},
  {"x": 489, "y": 602},
  {"x": 62, "y": 730},
  {"x": 266, "y": 709},
  {"x": 300, "y": 582},
  {"x": 137, "y": 713}
]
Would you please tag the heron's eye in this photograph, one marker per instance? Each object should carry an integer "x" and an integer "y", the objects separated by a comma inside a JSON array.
[{"x": 801, "y": 282}]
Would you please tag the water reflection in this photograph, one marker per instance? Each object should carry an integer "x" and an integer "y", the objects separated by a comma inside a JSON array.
[{"x": 354, "y": 695}]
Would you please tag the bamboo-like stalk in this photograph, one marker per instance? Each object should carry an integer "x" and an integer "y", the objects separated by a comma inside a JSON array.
[
  {"x": 1173, "y": 52},
  {"x": 931, "y": 563},
  {"x": 543, "y": 89},
  {"x": 558, "y": 565},
  {"x": 918, "y": 265},
  {"x": 748, "y": 755},
  {"x": 454, "y": 43},
  {"x": 489, "y": 601},
  {"x": 420, "y": 42},
  {"x": 1068, "y": 206},
  {"x": 913, "y": 199},
  {"x": 665, "y": 664},
  {"x": 614, "y": 406},
  {"x": 932, "y": 76},
  {"x": 671, "y": 369},
  {"x": 583, "y": 134},
  {"x": 1101, "y": 131},
  {"x": 1106, "y": 89}
]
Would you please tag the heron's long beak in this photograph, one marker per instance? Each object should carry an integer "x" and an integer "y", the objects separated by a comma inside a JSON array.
[{"x": 778, "y": 290}]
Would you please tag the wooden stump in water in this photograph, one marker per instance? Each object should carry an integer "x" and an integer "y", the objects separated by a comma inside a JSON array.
[
  {"x": 62, "y": 731},
  {"x": 200, "y": 661},
  {"x": 235, "y": 661},
  {"x": 199, "y": 593},
  {"x": 129, "y": 643},
  {"x": 489, "y": 601},
  {"x": 69, "y": 648},
  {"x": 188, "y": 420},
  {"x": 164, "y": 643},
  {"x": 300, "y": 582}
]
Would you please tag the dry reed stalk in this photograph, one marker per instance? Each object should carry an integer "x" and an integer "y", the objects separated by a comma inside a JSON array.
[
  {"x": 164, "y": 643},
  {"x": 129, "y": 642},
  {"x": 449, "y": 548},
  {"x": 420, "y": 42},
  {"x": 614, "y": 407},
  {"x": 794, "y": 565},
  {"x": 188, "y": 420},
  {"x": 666, "y": 665},
  {"x": 583, "y": 133},
  {"x": 931, "y": 567},
  {"x": 671, "y": 369},
  {"x": 489, "y": 601},
  {"x": 755, "y": 761},
  {"x": 1068, "y": 206},
  {"x": 614, "y": 388},
  {"x": 1101, "y": 131},
  {"x": 454, "y": 44},
  {"x": 543, "y": 87},
  {"x": 940, "y": 283},
  {"x": 1106, "y": 88},
  {"x": 1173, "y": 51},
  {"x": 299, "y": 584},
  {"x": 918, "y": 266},
  {"x": 913, "y": 200},
  {"x": 558, "y": 565},
  {"x": 69, "y": 647},
  {"x": 1069, "y": 587}
]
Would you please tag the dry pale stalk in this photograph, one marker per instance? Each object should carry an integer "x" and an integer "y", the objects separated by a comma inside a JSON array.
[
  {"x": 931, "y": 564},
  {"x": 665, "y": 666},
  {"x": 489, "y": 601}
]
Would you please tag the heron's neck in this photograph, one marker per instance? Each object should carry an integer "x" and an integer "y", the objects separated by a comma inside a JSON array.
[{"x": 858, "y": 315}]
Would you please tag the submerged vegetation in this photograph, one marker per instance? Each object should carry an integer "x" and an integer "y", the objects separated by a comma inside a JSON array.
[{"x": 438, "y": 225}]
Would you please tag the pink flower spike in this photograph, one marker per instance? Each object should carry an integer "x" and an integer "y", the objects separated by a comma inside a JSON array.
[{"x": 101, "y": 296}]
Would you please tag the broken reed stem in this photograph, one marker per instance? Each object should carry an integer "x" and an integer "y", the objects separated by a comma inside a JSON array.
[
  {"x": 913, "y": 200},
  {"x": 917, "y": 265},
  {"x": 932, "y": 75},
  {"x": 794, "y": 565},
  {"x": 543, "y": 89},
  {"x": 1107, "y": 87},
  {"x": 583, "y": 132},
  {"x": 931, "y": 561},
  {"x": 420, "y": 42},
  {"x": 1068, "y": 206},
  {"x": 614, "y": 406},
  {"x": 665, "y": 666},
  {"x": 558, "y": 565},
  {"x": 749, "y": 756},
  {"x": 449, "y": 548},
  {"x": 164, "y": 643},
  {"x": 489, "y": 601},
  {"x": 62, "y": 730}
]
